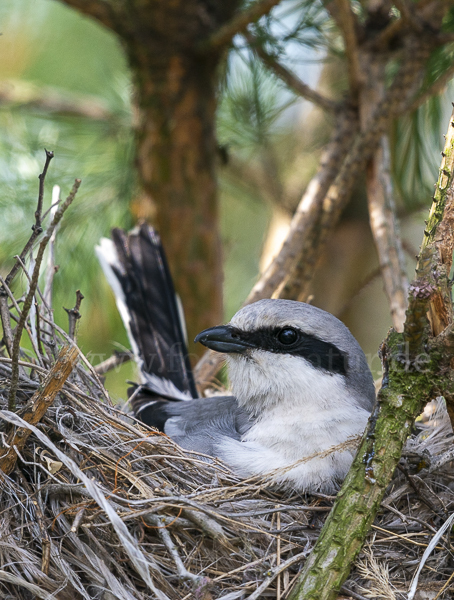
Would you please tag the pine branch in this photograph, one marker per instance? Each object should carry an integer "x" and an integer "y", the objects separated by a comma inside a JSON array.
[
  {"x": 410, "y": 381},
  {"x": 50, "y": 100},
  {"x": 289, "y": 78},
  {"x": 385, "y": 230},
  {"x": 104, "y": 11},
  {"x": 314, "y": 234},
  {"x": 223, "y": 36},
  {"x": 346, "y": 21}
]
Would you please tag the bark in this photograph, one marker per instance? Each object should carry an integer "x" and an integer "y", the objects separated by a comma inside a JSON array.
[
  {"x": 382, "y": 211},
  {"x": 34, "y": 411},
  {"x": 411, "y": 379},
  {"x": 175, "y": 71},
  {"x": 176, "y": 154},
  {"x": 385, "y": 229}
]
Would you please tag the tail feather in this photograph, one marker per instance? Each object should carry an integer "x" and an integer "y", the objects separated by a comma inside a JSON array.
[{"x": 136, "y": 268}]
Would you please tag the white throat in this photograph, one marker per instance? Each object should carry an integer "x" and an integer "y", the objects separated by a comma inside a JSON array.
[{"x": 266, "y": 380}]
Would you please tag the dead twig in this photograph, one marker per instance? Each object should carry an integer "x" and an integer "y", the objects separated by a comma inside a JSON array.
[
  {"x": 183, "y": 573},
  {"x": 38, "y": 405},
  {"x": 74, "y": 314},
  {"x": 42, "y": 178},
  {"x": 29, "y": 298},
  {"x": 117, "y": 359},
  {"x": 37, "y": 227},
  {"x": 36, "y": 232},
  {"x": 273, "y": 573}
]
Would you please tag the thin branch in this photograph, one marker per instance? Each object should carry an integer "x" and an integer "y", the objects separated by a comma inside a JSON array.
[
  {"x": 49, "y": 100},
  {"x": 103, "y": 11},
  {"x": 29, "y": 298},
  {"x": 36, "y": 228},
  {"x": 42, "y": 178},
  {"x": 346, "y": 21},
  {"x": 385, "y": 230},
  {"x": 289, "y": 78},
  {"x": 223, "y": 36},
  {"x": 6, "y": 320},
  {"x": 19, "y": 312},
  {"x": 34, "y": 336},
  {"x": 74, "y": 314},
  {"x": 183, "y": 573},
  {"x": 51, "y": 269},
  {"x": 117, "y": 359},
  {"x": 273, "y": 573},
  {"x": 78, "y": 520},
  {"x": 36, "y": 232}
]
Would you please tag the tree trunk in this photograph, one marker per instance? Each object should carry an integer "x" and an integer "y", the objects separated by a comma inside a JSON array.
[
  {"x": 174, "y": 62},
  {"x": 176, "y": 150}
]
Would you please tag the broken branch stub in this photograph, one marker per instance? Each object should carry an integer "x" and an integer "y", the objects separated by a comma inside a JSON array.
[{"x": 36, "y": 408}]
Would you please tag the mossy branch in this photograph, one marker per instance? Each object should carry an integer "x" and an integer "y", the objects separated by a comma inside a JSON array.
[{"x": 417, "y": 366}]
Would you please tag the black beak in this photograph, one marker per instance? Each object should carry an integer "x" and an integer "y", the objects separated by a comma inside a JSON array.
[{"x": 223, "y": 339}]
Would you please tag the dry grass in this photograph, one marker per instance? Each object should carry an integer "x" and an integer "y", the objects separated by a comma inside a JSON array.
[{"x": 99, "y": 506}]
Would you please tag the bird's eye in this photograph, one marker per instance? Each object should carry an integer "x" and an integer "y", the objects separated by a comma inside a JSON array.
[{"x": 287, "y": 336}]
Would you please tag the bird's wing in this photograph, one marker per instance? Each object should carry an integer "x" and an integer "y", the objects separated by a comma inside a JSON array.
[
  {"x": 200, "y": 424},
  {"x": 136, "y": 269}
]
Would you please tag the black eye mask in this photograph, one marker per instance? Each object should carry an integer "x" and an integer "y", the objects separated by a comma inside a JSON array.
[{"x": 290, "y": 340}]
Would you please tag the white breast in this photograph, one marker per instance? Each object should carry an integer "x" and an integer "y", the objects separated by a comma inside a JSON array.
[{"x": 298, "y": 411}]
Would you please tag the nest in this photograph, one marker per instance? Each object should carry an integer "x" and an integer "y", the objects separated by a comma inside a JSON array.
[
  {"x": 95, "y": 505},
  {"x": 100, "y": 506}
]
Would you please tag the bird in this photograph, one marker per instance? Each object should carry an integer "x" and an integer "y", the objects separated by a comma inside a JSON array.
[{"x": 301, "y": 388}]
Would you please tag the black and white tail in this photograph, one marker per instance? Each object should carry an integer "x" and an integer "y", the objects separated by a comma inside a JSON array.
[{"x": 136, "y": 268}]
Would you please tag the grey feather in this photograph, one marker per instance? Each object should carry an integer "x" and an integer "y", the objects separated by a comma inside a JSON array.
[{"x": 201, "y": 424}]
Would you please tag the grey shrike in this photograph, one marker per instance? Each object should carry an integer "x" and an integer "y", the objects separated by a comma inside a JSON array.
[{"x": 300, "y": 382}]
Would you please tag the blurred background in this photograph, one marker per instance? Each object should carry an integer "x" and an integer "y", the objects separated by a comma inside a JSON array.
[{"x": 65, "y": 85}]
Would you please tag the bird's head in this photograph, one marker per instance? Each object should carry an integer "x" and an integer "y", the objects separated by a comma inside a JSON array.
[{"x": 282, "y": 350}]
